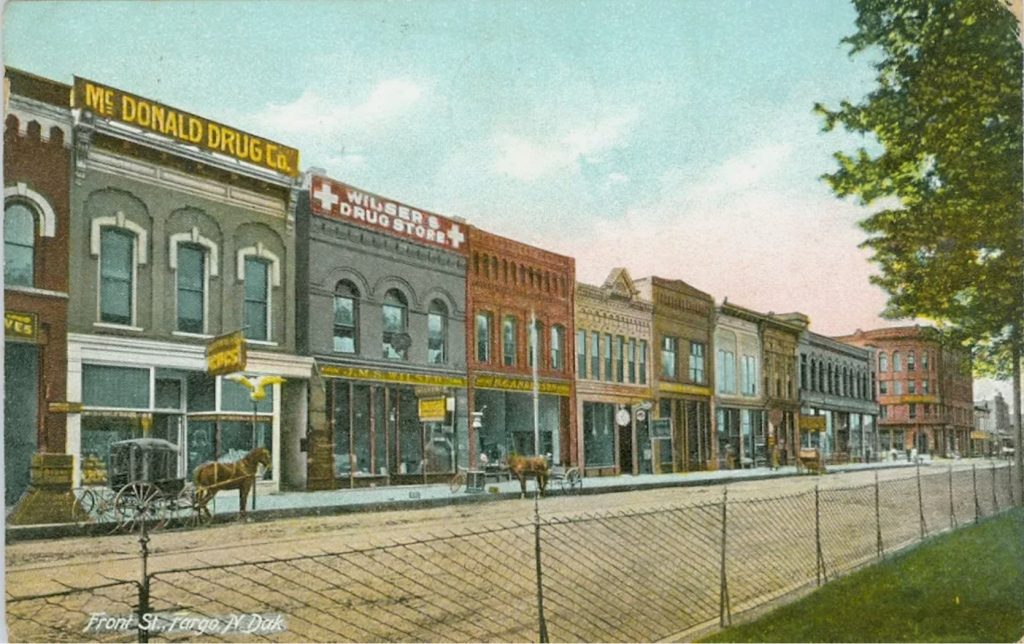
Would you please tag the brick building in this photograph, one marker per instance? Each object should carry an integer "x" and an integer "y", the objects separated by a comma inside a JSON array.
[
  {"x": 521, "y": 303},
  {"x": 924, "y": 389}
]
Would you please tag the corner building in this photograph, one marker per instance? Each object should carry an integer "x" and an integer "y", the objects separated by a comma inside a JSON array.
[
  {"x": 684, "y": 321},
  {"x": 521, "y": 298},
  {"x": 171, "y": 245},
  {"x": 613, "y": 376},
  {"x": 382, "y": 310}
]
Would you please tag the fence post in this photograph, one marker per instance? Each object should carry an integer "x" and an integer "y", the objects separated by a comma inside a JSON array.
[
  {"x": 920, "y": 501},
  {"x": 541, "y": 624},
  {"x": 820, "y": 557},
  {"x": 977, "y": 506},
  {"x": 952, "y": 508},
  {"x": 143, "y": 608},
  {"x": 995, "y": 499},
  {"x": 724, "y": 607},
  {"x": 878, "y": 520}
]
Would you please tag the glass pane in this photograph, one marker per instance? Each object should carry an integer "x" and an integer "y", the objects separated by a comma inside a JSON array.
[
  {"x": 98, "y": 434},
  {"x": 235, "y": 397},
  {"x": 255, "y": 280},
  {"x": 410, "y": 433},
  {"x": 381, "y": 442},
  {"x": 483, "y": 337},
  {"x": 18, "y": 265},
  {"x": 168, "y": 394},
  {"x": 344, "y": 311},
  {"x": 599, "y": 434},
  {"x": 200, "y": 443},
  {"x": 115, "y": 301},
  {"x": 342, "y": 430},
  {"x": 361, "y": 429},
  {"x": 19, "y": 225},
  {"x": 393, "y": 318},
  {"x": 344, "y": 340},
  {"x": 435, "y": 338},
  {"x": 122, "y": 387},
  {"x": 190, "y": 267},
  {"x": 256, "y": 320},
  {"x": 116, "y": 254},
  {"x": 201, "y": 390},
  {"x": 190, "y": 311}
]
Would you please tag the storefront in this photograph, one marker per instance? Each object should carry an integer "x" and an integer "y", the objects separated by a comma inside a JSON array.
[
  {"x": 512, "y": 419},
  {"x": 21, "y": 402}
]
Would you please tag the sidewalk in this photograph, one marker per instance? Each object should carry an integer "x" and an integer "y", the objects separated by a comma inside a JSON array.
[{"x": 273, "y": 505}]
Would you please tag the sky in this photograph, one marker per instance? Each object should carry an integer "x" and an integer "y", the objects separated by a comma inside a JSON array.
[{"x": 674, "y": 138}]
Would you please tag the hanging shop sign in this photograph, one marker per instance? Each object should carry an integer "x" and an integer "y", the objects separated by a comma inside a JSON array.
[
  {"x": 329, "y": 198},
  {"x": 226, "y": 354},
  {"x": 919, "y": 399},
  {"x": 380, "y": 375},
  {"x": 117, "y": 105},
  {"x": 432, "y": 410},
  {"x": 20, "y": 326},
  {"x": 506, "y": 383},
  {"x": 812, "y": 423},
  {"x": 661, "y": 428}
]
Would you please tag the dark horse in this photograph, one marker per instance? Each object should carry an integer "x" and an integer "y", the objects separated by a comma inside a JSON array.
[
  {"x": 520, "y": 466},
  {"x": 213, "y": 477}
]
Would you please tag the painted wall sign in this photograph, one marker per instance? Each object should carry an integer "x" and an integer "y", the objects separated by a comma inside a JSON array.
[
  {"x": 661, "y": 428},
  {"x": 117, "y": 105},
  {"x": 919, "y": 399},
  {"x": 329, "y": 198},
  {"x": 379, "y": 375},
  {"x": 812, "y": 423},
  {"x": 432, "y": 410},
  {"x": 506, "y": 383},
  {"x": 676, "y": 388},
  {"x": 226, "y": 354},
  {"x": 20, "y": 326}
]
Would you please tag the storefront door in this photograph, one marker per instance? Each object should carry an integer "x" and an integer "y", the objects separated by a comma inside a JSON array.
[
  {"x": 626, "y": 449},
  {"x": 21, "y": 416}
]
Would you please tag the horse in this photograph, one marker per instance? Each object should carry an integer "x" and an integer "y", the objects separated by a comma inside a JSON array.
[
  {"x": 212, "y": 477},
  {"x": 520, "y": 466}
]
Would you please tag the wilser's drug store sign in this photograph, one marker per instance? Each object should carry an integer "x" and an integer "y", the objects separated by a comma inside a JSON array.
[
  {"x": 329, "y": 198},
  {"x": 114, "y": 104}
]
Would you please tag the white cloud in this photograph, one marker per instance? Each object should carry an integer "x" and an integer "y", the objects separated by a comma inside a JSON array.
[
  {"x": 314, "y": 113},
  {"x": 527, "y": 159}
]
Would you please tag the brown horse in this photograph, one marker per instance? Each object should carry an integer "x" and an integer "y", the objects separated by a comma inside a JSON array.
[
  {"x": 520, "y": 466},
  {"x": 213, "y": 477}
]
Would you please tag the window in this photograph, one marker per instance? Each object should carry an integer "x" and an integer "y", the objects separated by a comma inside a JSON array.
[
  {"x": 437, "y": 332},
  {"x": 581, "y": 354},
  {"x": 595, "y": 355},
  {"x": 924, "y": 360},
  {"x": 19, "y": 245},
  {"x": 536, "y": 342},
  {"x": 726, "y": 372},
  {"x": 897, "y": 364},
  {"x": 883, "y": 387},
  {"x": 669, "y": 351},
  {"x": 509, "y": 345},
  {"x": 346, "y": 315},
  {"x": 191, "y": 288},
  {"x": 748, "y": 377},
  {"x": 395, "y": 318},
  {"x": 924, "y": 386},
  {"x": 557, "y": 347},
  {"x": 632, "y": 360},
  {"x": 912, "y": 408},
  {"x": 257, "y": 299},
  {"x": 911, "y": 363},
  {"x": 608, "y": 357},
  {"x": 803, "y": 371},
  {"x": 697, "y": 362},
  {"x": 883, "y": 362},
  {"x": 483, "y": 337},
  {"x": 117, "y": 275},
  {"x": 883, "y": 411},
  {"x": 911, "y": 386},
  {"x": 897, "y": 387},
  {"x": 620, "y": 358},
  {"x": 643, "y": 362}
]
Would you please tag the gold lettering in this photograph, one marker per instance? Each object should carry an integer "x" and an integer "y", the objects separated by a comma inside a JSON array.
[
  {"x": 128, "y": 109},
  {"x": 227, "y": 143},
  {"x": 272, "y": 156},
  {"x": 256, "y": 151},
  {"x": 212, "y": 136},
  {"x": 158, "y": 120},
  {"x": 144, "y": 113},
  {"x": 99, "y": 99},
  {"x": 195, "y": 130}
]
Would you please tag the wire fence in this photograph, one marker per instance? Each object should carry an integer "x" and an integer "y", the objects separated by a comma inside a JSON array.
[{"x": 609, "y": 576}]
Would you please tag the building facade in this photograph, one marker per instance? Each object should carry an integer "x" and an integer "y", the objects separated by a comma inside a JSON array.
[
  {"x": 683, "y": 375},
  {"x": 182, "y": 229},
  {"x": 37, "y": 153},
  {"x": 780, "y": 336},
  {"x": 613, "y": 376},
  {"x": 521, "y": 336},
  {"x": 382, "y": 309},
  {"x": 740, "y": 418},
  {"x": 837, "y": 407},
  {"x": 924, "y": 389}
]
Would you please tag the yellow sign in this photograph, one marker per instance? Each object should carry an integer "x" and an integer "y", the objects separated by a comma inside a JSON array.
[
  {"x": 432, "y": 409},
  {"x": 20, "y": 326},
  {"x": 676, "y": 388},
  {"x": 109, "y": 103},
  {"x": 980, "y": 436},
  {"x": 505, "y": 383},
  {"x": 812, "y": 423},
  {"x": 62, "y": 407},
  {"x": 226, "y": 354},
  {"x": 919, "y": 399},
  {"x": 379, "y": 375}
]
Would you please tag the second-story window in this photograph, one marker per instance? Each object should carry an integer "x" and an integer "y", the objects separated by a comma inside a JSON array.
[
  {"x": 748, "y": 376},
  {"x": 19, "y": 245},
  {"x": 395, "y": 319},
  {"x": 697, "y": 362},
  {"x": 883, "y": 362},
  {"x": 620, "y": 357},
  {"x": 595, "y": 355},
  {"x": 608, "y": 374},
  {"x": 643, "y": 362},
  {"x": 557, "y": 347},
  {"x": 437, "y": 332},
  {"x": 483, "y": 336},
  {"x": 726, "y": 375},
  {"x": 509, "y": 340},
  {"x": 117, "y": 275},
  {"x": 924, "y": 360},
  {"x": 632, "y": 360},
  {"x": 897, "y": 364},
  {"x": 669, "y": 354},
  {"x": 581, "y": 354},
  {"x": 257, "y": 299},
  {"x": 346, "y": 317},
  {"x": 191, "y": 277},
  {"x": 536, "y": 343}
]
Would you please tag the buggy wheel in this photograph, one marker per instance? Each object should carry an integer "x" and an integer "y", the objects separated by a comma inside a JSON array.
[
  {"x": 85, "y": 503},
  {"x": 457, "y": 482},
  {"x": 192, "y": 515},
  {"x": 573, "y": 480},
  {"x": 139, "y": 502}
]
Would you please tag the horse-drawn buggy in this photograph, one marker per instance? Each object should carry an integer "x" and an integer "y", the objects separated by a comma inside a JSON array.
[{"x": 143, "y": 486}]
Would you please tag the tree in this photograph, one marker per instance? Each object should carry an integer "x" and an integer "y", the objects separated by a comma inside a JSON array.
[{"x": 942, "y": 157}]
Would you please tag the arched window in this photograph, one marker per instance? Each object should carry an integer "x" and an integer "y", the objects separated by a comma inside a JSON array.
[
  {"x": 911, "y": 362},
  {"x": 395, "y": 314},
  {"x": 536, "y": 345},
  {"x": 558, "y": 347},
  {"x": 117, "y": 275},
  {"x": 831, "y": 378},
  {"x": 883, "y": 362},
  {"x": 437, "y": 333},
  {"x": 509, "y": 344},
  {"x": 814, "y": 374},
  {"x": 346, "y": 317},
  {"x": 19, "y": 245},
  {"x": 191, "y": 288},
  {"x": 897, "y": 365}
]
